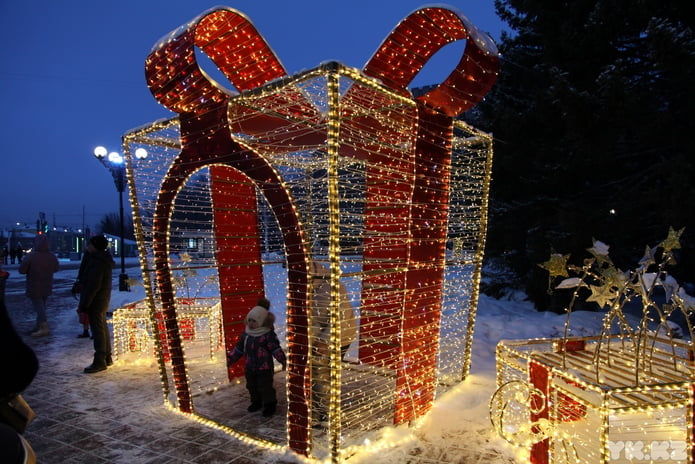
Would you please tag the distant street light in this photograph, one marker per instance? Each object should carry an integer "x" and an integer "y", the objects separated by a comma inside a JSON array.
[{"x": 115, "y": 163}]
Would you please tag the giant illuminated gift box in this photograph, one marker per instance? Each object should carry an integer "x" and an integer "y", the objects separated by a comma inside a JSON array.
[
  {"x": 346, "y": 169},
  {"x": 597, "y": 399}
]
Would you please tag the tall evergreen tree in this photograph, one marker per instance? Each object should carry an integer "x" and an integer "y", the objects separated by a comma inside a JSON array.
[{"x": 592, "y": 116}]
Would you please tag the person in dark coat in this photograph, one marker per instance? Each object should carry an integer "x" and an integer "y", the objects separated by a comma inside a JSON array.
[
  {"x": 19, "y": 365},
  {"x": 17, "y": 360},
  {"x": 39, "y": 266},
  {"x": 19, "y": 252},
  {"x": 95, "y": 298}
]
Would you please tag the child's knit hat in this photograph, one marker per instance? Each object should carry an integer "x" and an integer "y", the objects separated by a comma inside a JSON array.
[{"x": 258, "y": 314}]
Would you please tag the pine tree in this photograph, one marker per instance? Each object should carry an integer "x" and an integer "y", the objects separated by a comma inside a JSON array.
[{"x": 592, "y": 116}]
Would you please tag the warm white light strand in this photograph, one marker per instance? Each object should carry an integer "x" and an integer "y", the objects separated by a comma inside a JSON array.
[{"x": 361, "y": 394}]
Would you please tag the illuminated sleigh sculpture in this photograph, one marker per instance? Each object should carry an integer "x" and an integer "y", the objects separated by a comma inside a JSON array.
[
  {"x": 344, "y": 168},
  {"x": 623, "y": 396}
]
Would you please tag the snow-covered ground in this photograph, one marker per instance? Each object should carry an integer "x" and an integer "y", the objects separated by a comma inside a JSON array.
[{"x": 458, "y": 428}]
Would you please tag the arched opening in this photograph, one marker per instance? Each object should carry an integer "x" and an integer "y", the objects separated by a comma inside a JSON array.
[{"x": 238, "y": 182}]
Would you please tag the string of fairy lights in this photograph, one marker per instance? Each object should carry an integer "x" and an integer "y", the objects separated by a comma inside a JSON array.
[
  {"x": 362, "y": 393},
  {"x": 622, "y": 395},
  {"x": 327, "y": 175}
]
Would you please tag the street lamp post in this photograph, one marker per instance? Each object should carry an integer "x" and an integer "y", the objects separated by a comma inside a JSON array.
[{"x": 115, "y": 163}]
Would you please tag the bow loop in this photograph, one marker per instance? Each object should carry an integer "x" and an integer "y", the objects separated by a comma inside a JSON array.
[
  {"x": 230, "y": 40},
  {"x": 417, "y": 38}
]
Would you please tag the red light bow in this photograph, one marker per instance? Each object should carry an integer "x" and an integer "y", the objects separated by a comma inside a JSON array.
[{"x": 234, "y": 44}]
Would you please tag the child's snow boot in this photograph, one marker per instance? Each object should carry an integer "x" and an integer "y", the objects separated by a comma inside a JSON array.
[{"x": 269, "y": 409}]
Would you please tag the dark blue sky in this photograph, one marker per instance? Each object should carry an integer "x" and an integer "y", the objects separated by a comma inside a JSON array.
[{"x": 72, "y": 78}]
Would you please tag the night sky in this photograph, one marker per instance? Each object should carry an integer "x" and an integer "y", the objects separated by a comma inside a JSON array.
[{"x": 72, "y": 78}]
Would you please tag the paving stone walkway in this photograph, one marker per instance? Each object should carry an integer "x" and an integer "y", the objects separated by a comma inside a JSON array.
[{"x": 115, "y": 416}]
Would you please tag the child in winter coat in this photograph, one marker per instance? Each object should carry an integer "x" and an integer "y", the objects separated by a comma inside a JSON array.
[{"x": 260, "y": 344}]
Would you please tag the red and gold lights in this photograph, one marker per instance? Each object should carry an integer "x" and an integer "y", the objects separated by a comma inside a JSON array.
[{"x": 331, "y": 156}]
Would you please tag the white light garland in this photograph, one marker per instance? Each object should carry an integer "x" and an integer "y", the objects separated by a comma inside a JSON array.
[{"x": 330, "y": 168}]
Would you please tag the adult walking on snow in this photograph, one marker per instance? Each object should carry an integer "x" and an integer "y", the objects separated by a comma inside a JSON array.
[
  {"x": 39, "y": 266},
  {"x": 95, "y": 297}
]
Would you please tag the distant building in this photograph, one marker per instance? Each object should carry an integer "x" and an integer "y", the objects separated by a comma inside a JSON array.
[
  {"x": 130, "y": 246},
  {"x": 65, "y": 242}
]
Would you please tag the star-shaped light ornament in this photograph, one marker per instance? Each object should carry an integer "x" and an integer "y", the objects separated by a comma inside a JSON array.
[
  {"x": 603, "y": 295},
  {"x": 673, "y": 241},
  {"x": 185, "y": 257},
  {"x": 556, "y": 265},
  {"x": 600, "y": 251},
  {"x": 613, "y": 277},
  {"x": 648, "y": 258}
]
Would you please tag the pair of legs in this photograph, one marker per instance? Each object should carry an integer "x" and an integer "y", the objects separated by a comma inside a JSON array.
[
  {"x": 261, "y": 390},
  {"x": 39, "y": 305},
  {"x": 102, "y": 339}
]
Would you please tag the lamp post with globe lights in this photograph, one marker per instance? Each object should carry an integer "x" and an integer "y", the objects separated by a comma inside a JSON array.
[{"x": 115, "y": 163}]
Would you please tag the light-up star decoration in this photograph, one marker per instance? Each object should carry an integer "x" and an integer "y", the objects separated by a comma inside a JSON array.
[
  {"x": 367, "y": 126},
  {"x": 648, "y": 258},
  {"x": 556, "y": 265},
  {"x": 600, "y": 251},
  {"x": 569, "y": 399},
  {"x": 672, "y": 242},
  {"x": 603, "y": 295}
]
